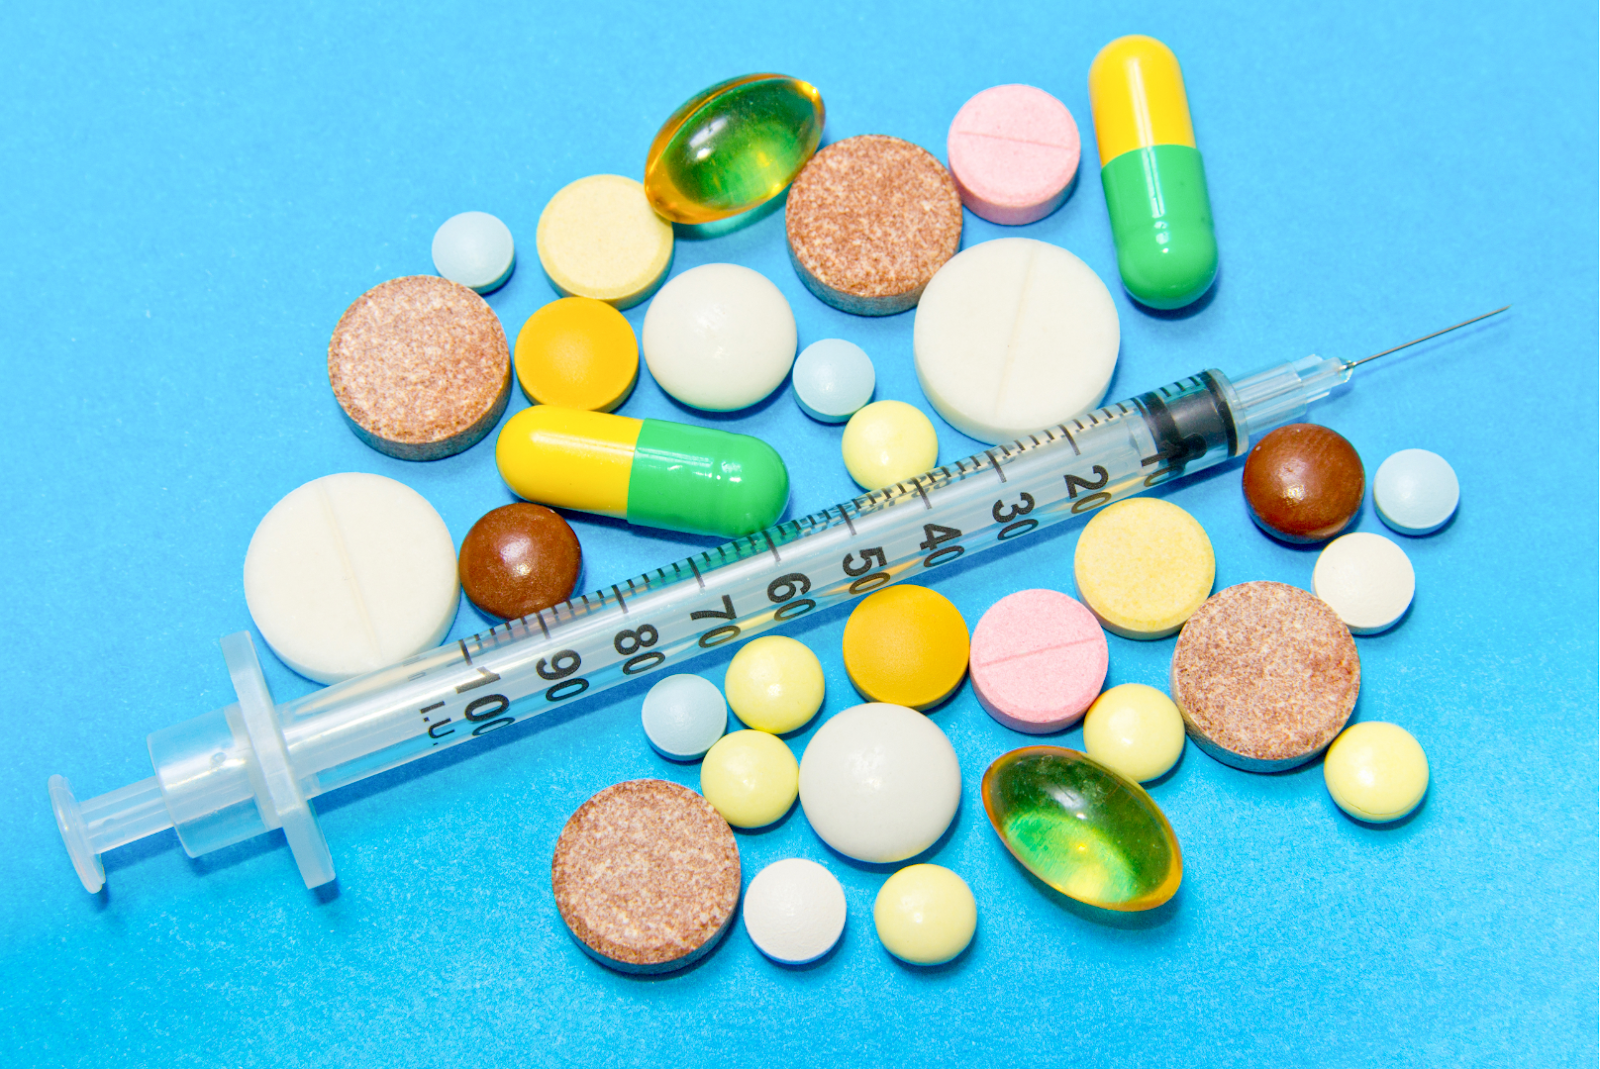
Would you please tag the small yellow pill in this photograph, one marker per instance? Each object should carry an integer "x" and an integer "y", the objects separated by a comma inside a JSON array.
[
  {"x": 577, "y": 352},
  {"x": 906, "y": 645},
  {"x": 1135, "y": 730},
  {"x": 598, "y": 237},
  {"x": 1143, "y": 567},
  {"x": 774, "y": 684},
  {"x": 925, "y": 914},
  {"x": 886, "y": 442},
  {"x": 1376, "y": 772},
  {"x": 750, "y": 777}
]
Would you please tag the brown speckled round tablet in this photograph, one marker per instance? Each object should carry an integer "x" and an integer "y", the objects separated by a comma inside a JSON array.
[
  {"x": 646, "y": 874},
  {"x": 870, "y": 219},
  {"x": 1265, "y": 675},
  {"x": 420, "y": 367}
]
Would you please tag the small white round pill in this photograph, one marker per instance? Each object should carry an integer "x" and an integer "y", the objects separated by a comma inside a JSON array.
[
  {"x": 474, "y": 249},
  {"x": 719, "y": 337},
  {"x": 832, "y": 379},
  {"x": 879, "y": 782},
  {"x": 1366, "y": 579},
  {"x": 350, "y": 573},
  {"x": 794, "y": 911},
  {"x": 1416, "y": 491},
  {"x": 683, "y": 716}
]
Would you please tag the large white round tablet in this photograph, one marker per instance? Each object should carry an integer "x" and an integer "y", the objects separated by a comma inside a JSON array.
[
  {"x": 794, "y": 911},
  {"x": 879, "y": 782},
  {"x": 1416, "y": 491},
  {"x": 1367, "y": 580},
  {"x": 350, "y": 573},
  {"x": 719, "y": 337},
  {"x": 1013, "y": 336}
]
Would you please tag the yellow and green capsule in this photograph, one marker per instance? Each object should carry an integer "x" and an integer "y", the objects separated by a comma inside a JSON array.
[
  {"x": 646, "y": 471},
  {"x": 1154, "y": 179}
]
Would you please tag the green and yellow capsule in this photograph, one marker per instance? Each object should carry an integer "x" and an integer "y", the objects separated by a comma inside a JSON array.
[
  {"x": 1154, "y": 179},
  {"x": 646, "y": 471}
]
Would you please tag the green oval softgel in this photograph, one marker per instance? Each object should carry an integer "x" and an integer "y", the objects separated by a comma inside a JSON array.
[
  {"x": 1082, "y": 828},
  {"x": 732, "y": 146}
]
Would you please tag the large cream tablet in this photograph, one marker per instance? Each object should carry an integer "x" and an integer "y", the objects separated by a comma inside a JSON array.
[
  {"x": 1012, "y": 336},
  {"x": 350, "y": 573},
  {"x": 719, "y": 337}
]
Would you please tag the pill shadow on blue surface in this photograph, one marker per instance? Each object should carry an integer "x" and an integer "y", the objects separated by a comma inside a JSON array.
[
  {"x": 1138, "y": 920},
  {"x": 722, "y": 227}
]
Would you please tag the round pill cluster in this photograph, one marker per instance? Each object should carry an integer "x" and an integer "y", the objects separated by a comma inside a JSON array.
[{"x": 1012, "y": 338}]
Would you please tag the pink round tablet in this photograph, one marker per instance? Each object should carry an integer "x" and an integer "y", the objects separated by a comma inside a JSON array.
[
  {"x": 1038, "y": 660},
  {"x": 1013, "y": 152}
]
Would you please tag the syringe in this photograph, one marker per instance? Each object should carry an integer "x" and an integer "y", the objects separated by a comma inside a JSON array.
[{"x": 253, "y": 766}]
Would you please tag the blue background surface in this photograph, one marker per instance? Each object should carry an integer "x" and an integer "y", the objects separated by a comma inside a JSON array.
[{"x": 192, "y": 195}]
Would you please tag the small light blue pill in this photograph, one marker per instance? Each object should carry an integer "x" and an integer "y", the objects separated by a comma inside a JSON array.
[
  {"x": 1416, "y": 491},
  {"x": 475, "y": 250},
  {"x": 683, "y": 715},
  {"x": 832, "y": 379}
]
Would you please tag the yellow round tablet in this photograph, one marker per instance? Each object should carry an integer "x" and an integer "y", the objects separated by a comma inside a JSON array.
[
  {"x": 906, "y": 645},
  {"x": 925, "y": 914},
  {"x": 1143, "y": 566},
  {"x": 750, "y": 777},
  {"x": 887, "y": 442},
  {"x": 1135, "y": 730},
  {"x": 1376, "y": 771},
  {"x": 774, "y": 684},
  {"x": 577, "y": 352},
  {"x": 598, "y": 237}
]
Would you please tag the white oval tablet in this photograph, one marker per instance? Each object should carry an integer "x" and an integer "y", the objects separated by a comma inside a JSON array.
[
  {"x": 350, "y": 573},
  {"x": 1367, "y": 580},
  {"x": 1013, "y": 336},
  {"x": 879, "y": 782},
  {"x": 475, "y": 250},
  {"x": 794, "y": 911},
  {"x": 1416, "y": 491},
  {"x": 719, "y": 337}
]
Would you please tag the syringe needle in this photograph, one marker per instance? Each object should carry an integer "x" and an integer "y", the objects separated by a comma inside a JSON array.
[{"x": 1425, "y": 337}]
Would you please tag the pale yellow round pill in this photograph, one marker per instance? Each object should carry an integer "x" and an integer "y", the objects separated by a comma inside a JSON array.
[
  {"x": 925, "y": 914},
  {"x": 598, "y": 237},
  {"x": 887, "y": 442},
  {"x": 1135, "y": 730},
  {"x": 1143, "y": 566},
  {"x": 750, "y": 777},
  {"x": 774, "y": 684},
  {"x": 1376, "y": 772}
]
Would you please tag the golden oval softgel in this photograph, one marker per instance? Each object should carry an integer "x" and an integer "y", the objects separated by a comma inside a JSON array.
[
  {"x": 732, "y": 146},
  {"x": 1154, "y": 179}
]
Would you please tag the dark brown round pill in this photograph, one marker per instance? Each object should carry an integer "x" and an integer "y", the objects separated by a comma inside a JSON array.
[
  {"x": 646, "y": 875},
  {"x": 1304, "y": 483},
  {"x": 420, "y": 367},
  {"x": 869, "y": 221},
  {"x": 1265, "y": 675},
  {"x": 518, "y": 559}
]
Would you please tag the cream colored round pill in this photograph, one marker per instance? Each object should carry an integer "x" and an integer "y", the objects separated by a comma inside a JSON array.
[
  {"x": 719, "y": 337},
  {"x": 925, "y": 914},
  {"x": 1012, "y": 336},
  {"x": 794, "y": 911},
  {"x": 774, "y": 684},
  {"x": 750, "y": 777},
  {"x": 1367, "y": 579},
  {"x": 1376, "y": 771},
  {"x": 887, "y": 442},
  {"x": 1134, "y": 730},
  {"x": 598, "y": 237},
  {"x": 350, "y": 573}
]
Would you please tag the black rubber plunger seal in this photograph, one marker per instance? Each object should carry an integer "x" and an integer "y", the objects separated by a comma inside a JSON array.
[{"x": 1188, "y": 423}]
